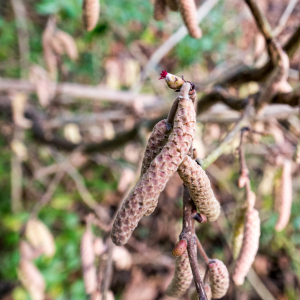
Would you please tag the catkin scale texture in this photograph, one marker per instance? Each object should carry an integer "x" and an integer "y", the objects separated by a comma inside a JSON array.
[
  {"x": 188, "y": 12},
  {"x": 90, "y": 13},
  {"x": 160, "y": 9},
  {"x": 196, "y": 180},
  {"x": 219, "y": 278},
  {"x": 143, "y": 198},
  {"x": 249, "y": 247},
  {"x": 87, "y": 259},
  {"x": 283, "y": 199},
  {"x": 182, "y": 277},
  {"x": 156, "y": 141}
]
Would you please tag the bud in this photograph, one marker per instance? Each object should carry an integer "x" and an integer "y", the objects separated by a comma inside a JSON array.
[
  {"x": 143, "y": 198},
  {"x": 90, "y": 13},
  {"x": 244, "y": 177},
  {"x": 179, "y": 248},
  {"x": 249, "y": 247},
  {"x": 182, "y": 278},
  {"x": 219, "y": 278},
  {"x": 174, "y": 82},
  {"x": 196, "y": 180}
]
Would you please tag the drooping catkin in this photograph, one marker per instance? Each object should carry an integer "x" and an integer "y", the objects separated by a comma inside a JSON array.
[
  {"x": 249, "y": 246},
  {"x": 90, "y": 13},
  {"x": 145, "y": 194},
  {"x": 160, "y": 10},
  {"x": 68, "y": 44},
  {"x": 40, "y": 237},
  {"x": 238, "y": 230},
  {"x": 283, "y": 197},
  {"x": 172, "y": 4},
  {"x": 182, "y": 277},
  {"x": 156, "y": 142},
  {"x": 196, "y": 180},
  {"x": 188, "y": 12},
  {"x": 88, "y": 261},
  {"x": 32, "y": 279},
  {"x": 218, "y": 278}
]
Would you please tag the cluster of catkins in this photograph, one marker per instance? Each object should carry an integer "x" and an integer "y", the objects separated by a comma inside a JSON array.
[
  {"x": 56, "y": 43},
  {"x": 187, "y": 10},
  {"x": 38, "y": 241},
  {"x": 93, "y": 251},
  {"x": 168, "y": 151}
]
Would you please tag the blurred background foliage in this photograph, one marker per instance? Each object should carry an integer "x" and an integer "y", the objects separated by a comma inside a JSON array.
[{"x": 123, "y": 24}]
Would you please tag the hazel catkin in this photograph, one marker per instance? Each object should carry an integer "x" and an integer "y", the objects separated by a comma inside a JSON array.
[
  {"x": 283, "y": 197},
  {"x": 160, "y": 9},
  {"x": 188, "y": 12},
  {"x": 90, "y": 13},
  {"x": 219, "y": 278},
  {"x": 88, "y": 261},
  {"x": 198, "y": 184},
  {"x": 143, "y": 198},
  {"x": 157, "y": 140},
  {"x": 182, "y": 277},
  {"x": 249, "y": 246}
]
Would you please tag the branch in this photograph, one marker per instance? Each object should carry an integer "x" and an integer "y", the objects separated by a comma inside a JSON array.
[
  {"x": 228, "y": 139},
  {"x": 188, "y": 234}
]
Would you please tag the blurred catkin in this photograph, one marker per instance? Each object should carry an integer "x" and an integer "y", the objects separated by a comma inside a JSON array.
[
  {"x": 249, "y": 247},
  {"x": 188, "y": 12},
  {"x": 88, "y": 260},
  {"x": 32, "y": 279},
  {"x": 283, "y": 197},
  {"x": 157, "y": 140},
  {"x": 40, "y": 237},
  {"x": 68, "y": 44},
  {"x": 196, "y": 180},
  {"x": 238, "y": 230},
  {"x": 182, "y": 278},
  {"x": 160, "y": 9},
  {"x": 90, "y": 13},
  {"x": 143, "y": 198},
  {"x": 218, "y": 278},
  {"x": 172, "y": 4}
]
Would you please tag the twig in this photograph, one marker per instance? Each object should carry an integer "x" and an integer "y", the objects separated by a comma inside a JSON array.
[
  {"x": 173, "y": 40},
  {"x": 202, "y": 251},
  {"x": 285, "y": 16},
  {"x": 228, "y": 139},
  {"x": 108, "y": 270},
  {"x": 49, "y": 193},
  {"x": 23, "y": 35},
  {"x": 188, "y": 234}
]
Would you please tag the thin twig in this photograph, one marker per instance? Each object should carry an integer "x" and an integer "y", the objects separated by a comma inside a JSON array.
[
  {"x": 202, "y": 251},
  {"x": 108, "y": 270},
  {"x": 49, "y": 193},
  {"x": 188, "y": 234},
  {"x": 228, "y": 139},
  {"x": 173, "y": 40},
  {"x": 285, "y": 16}
]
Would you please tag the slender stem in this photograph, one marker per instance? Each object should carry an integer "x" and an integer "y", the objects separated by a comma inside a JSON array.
[
  {"x": 188, "y": 233},
  {"x": 228, "y": 139},
  {"x": 202, "y": 251}
]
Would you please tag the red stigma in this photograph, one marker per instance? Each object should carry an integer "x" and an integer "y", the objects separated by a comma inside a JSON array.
[{"x": 163, "y": 74}]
